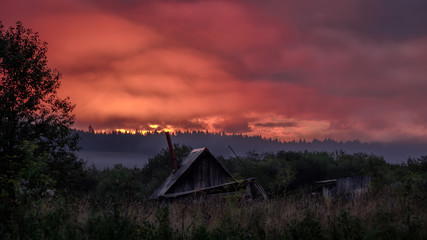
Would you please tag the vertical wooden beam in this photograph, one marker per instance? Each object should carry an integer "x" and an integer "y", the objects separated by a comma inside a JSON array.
[{"x": 175, "y": 165}]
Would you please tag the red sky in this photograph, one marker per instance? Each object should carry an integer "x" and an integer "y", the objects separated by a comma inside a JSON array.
[{"x": 288, "y": 69}]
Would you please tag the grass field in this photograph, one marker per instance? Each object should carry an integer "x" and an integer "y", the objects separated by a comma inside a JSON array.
[
  {"x": 383, "y": 215},
  {"x": 112, "y": 203}
]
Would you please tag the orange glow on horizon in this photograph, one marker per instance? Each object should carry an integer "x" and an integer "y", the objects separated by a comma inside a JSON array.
[
  {"x": 127, "y": 131},
  {"x": 168, "y": 128}
]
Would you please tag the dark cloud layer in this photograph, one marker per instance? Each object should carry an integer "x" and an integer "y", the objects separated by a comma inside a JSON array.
[{"x": 287, "y": 69}]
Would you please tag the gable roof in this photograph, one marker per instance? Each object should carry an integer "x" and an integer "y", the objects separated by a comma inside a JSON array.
[{"x": 185, "y": 166}]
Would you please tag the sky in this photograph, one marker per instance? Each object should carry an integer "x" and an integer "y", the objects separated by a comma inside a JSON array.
[{"x": 282, "y": 69}]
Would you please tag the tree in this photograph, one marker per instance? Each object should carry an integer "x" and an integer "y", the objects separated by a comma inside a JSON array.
[
  {"x": 159, "y": 167},
  {"x": 31, "y": 111},
  {"x": 90, "y": 129}
]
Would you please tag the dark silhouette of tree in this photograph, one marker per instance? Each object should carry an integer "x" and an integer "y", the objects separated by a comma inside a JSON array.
[
  {"x": 31, "y": 113},
  {"x": 90, "y": 129}
]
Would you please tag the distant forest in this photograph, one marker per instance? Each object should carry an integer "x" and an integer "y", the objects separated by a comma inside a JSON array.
[{"x": 152, "y": 143}]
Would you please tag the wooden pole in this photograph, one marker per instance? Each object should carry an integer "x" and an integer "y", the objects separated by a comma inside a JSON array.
[{"x": 175, "y": 165}]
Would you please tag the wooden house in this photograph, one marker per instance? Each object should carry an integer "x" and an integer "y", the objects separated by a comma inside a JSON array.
[{"x": 202, "y": 175}]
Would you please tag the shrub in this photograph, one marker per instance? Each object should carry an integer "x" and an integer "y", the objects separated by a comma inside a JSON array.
[{"x": 307, "y": 228}]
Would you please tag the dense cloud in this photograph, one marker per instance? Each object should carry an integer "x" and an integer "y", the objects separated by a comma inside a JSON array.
[{"x": 286, "y": 69}]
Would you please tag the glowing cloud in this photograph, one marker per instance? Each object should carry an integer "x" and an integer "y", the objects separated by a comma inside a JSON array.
[{"x": 280, "y": 69}]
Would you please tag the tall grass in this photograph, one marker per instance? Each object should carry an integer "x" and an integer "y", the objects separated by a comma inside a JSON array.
[{"x": 385, "y": 215}]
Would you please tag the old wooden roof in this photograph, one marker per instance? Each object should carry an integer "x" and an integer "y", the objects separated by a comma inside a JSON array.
[{"x": 170, "y": 184}]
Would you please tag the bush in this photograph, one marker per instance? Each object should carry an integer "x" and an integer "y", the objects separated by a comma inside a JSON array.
[
  {"x": 308, "y": 228},
  {"x": 345, "y": 226},
  {"x": 161, "y": 229},
  {"x": 111, "y": 225}
]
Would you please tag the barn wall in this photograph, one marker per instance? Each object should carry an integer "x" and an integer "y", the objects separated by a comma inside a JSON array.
[
  {"x": 205, "y": 172},
  {"x": 353, "y": 184}
]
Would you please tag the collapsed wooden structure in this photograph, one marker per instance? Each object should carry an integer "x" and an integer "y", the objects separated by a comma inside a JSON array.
[
  {"x": 352, "y": 186},
  {"x": 202, "y": 175}
]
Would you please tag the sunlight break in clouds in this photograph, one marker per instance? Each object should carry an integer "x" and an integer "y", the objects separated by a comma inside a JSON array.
[{"x": 285, "y": 69}]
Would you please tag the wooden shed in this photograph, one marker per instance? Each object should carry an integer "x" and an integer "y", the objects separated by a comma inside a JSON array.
[
  {"x": 343, "y": 186},
  {"x": 201, "y": 174}
]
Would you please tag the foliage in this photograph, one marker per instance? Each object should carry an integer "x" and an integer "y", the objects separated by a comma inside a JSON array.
[
  {"x": 415, "y": 178},
  {"x": 31, "y": 181},
  {"x": 120, "y": 184},
  {"x": 287, "y": 171},
  {"x": 36, "y": 142},
  {"x": 31, "y": 111},
  {"x": 30, "y": 184},
  {"x": 345, "y": 226},
  {"x": 308, "y": 228},
  {"x": 161, "y": 229},
  {"x": 279, "y": 173},
  {"x": 372, "y": 217},
  {"x": 110, "y": 225},
  {"x": 117, "y": 184}
]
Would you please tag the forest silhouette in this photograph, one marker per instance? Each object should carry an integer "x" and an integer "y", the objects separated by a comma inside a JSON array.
[{"x": 152, "y": 143}]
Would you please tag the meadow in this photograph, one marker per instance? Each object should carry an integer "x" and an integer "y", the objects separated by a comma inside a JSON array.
[
  {"x": 384, "y": 215},
  {"x": 113, "y": 203}
]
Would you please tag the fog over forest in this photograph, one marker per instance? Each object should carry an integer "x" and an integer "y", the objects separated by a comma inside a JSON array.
[{"x": 105, "y": 150}]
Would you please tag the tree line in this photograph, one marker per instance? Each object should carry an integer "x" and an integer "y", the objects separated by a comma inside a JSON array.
[{"x": 152, "y": 143}]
